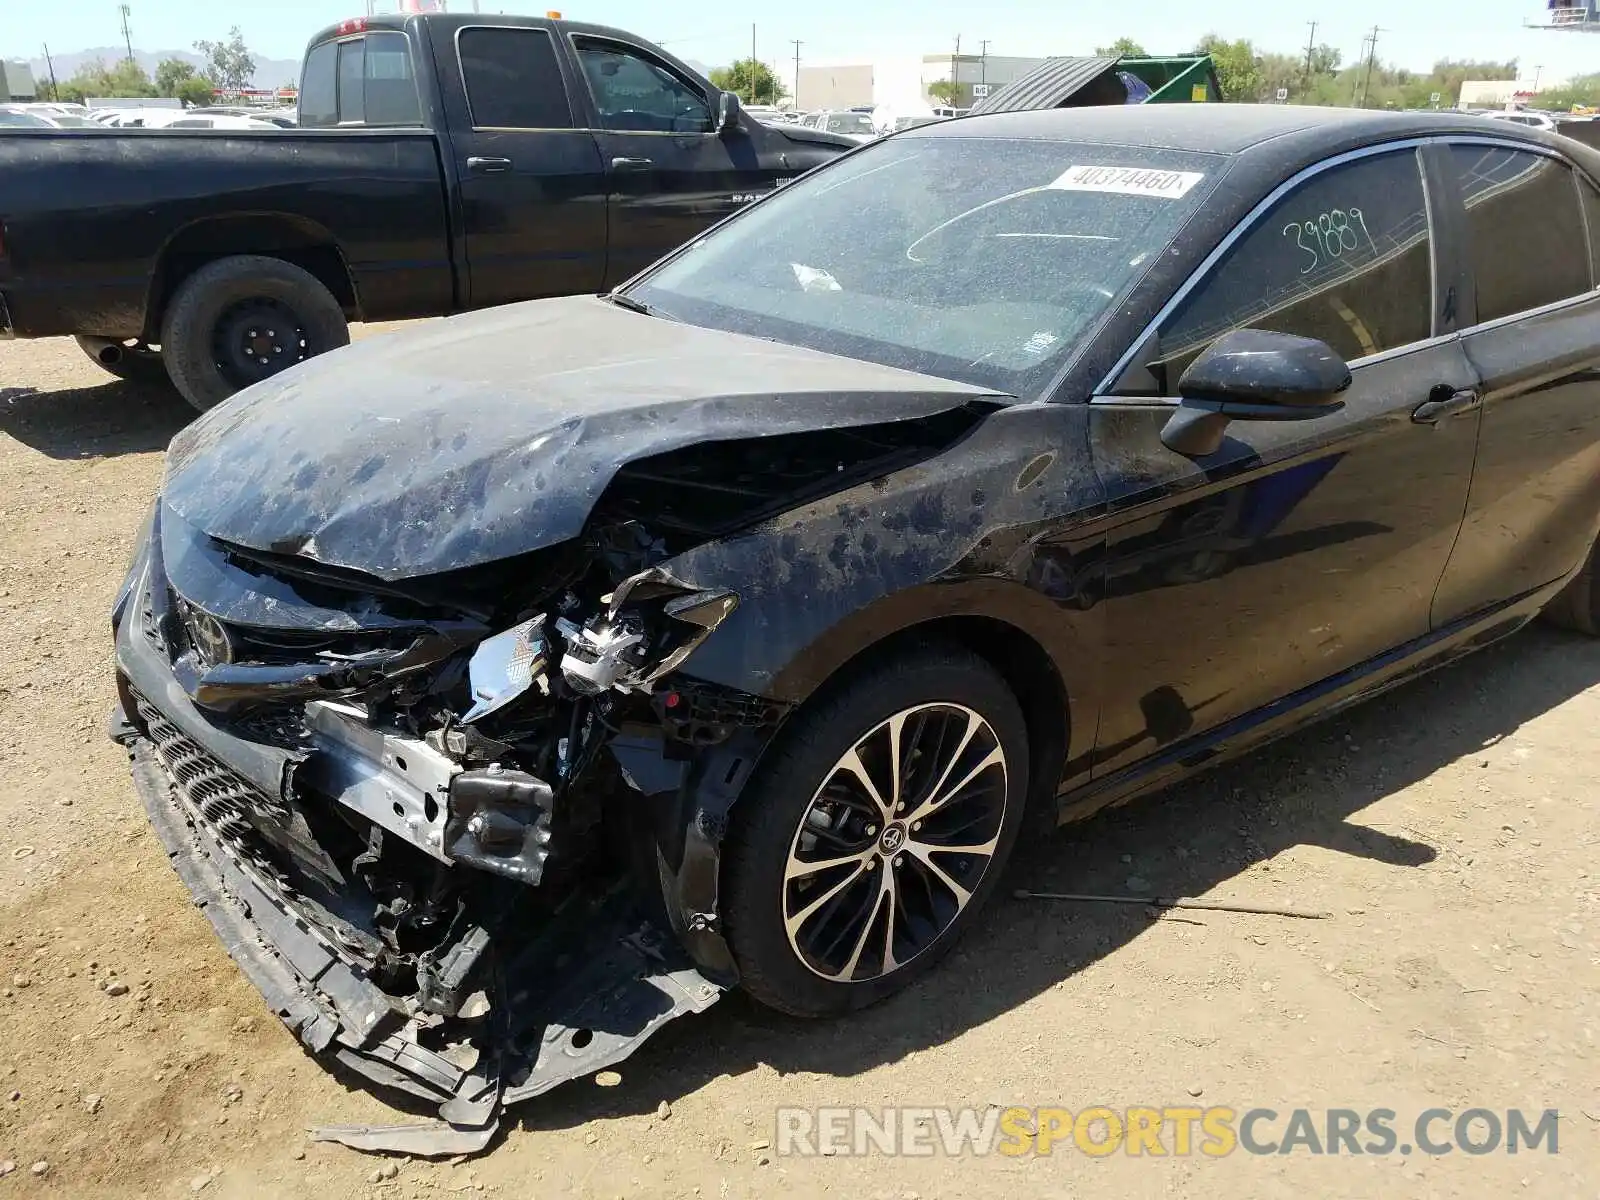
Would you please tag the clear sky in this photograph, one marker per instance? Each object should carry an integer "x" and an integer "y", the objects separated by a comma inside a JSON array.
[{"x": 715, "y": 31}]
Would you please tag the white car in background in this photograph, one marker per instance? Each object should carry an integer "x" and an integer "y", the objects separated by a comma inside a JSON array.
[
  {"x": 28, "y": 116},
  {"x": 1533, "y": 120},
  {"x": 857, "y": 126}
]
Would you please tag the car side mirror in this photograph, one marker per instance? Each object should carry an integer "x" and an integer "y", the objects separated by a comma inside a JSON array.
[
  {"x": 727, "y": 112},
  {"x": 1253, "y": 375}
]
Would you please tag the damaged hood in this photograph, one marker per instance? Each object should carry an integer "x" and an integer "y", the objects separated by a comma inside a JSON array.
[{"x": 484, "y": 436}]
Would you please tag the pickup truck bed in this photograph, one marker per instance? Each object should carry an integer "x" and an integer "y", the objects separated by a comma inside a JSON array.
[{"x": 444, "y": 163}]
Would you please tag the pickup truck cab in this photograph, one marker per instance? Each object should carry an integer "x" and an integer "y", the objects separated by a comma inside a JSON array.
[{"x": 442, "y": 163}]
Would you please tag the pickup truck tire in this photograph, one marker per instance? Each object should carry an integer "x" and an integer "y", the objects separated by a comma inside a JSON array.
[
  {"x": 134, "y": 361},
  {"x": 240, "y": 320}
]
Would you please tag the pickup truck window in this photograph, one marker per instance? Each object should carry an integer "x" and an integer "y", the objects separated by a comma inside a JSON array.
[
  {"x": 512, "y": 79},
  {"x": 635, "y": 94},
  {"x": 360, "y": 81},
  {"x": 319, "y": 92}
]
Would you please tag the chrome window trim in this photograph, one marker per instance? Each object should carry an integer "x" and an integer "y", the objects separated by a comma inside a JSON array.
[
  {"x": 1542, "y": 310},
  {"x": 1250, "y": 219}
]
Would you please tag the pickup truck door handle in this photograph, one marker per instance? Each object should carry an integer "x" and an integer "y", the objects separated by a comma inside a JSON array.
[
  {"x": 1445, "y": 401},
  {"x": 631, "y": 164},
  {"x": 488, "y": 166}
]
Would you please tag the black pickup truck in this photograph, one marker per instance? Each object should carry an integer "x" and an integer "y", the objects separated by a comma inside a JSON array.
[{"x": 442, "y": 163}]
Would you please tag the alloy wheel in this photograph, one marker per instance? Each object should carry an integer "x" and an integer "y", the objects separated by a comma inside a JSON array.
[{"x": 894, "y": 842}]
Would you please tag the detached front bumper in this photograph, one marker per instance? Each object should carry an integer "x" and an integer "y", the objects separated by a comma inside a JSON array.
[{"x": 594, "y": 983}]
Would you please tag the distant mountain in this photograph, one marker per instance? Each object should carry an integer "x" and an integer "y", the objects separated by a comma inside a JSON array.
[{"x": 270, "y": 72}]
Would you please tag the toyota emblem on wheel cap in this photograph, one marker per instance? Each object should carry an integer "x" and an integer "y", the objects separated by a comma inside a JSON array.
[{"x": 894, "y": 836}]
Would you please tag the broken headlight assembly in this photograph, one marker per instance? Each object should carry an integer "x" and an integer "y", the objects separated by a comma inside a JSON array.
[{"x": 649, "y": 625}]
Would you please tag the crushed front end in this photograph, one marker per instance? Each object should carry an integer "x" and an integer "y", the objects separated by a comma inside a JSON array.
[{"x": 452, "y": 837}]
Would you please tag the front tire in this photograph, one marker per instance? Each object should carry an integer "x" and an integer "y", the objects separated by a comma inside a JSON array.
[
  {"x": 240, "y": 320},
  {"x": 875, "y": 832}
]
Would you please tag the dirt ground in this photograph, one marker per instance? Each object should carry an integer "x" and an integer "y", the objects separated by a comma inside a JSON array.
[{"x": 1450, "y": 828}]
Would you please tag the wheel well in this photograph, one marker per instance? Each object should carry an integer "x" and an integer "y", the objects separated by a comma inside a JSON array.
[
  {"x": 1025, "y": 666},
  {"x": 303, "y": 243}
]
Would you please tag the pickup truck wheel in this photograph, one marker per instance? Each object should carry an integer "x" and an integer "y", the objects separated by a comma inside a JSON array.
[
  {"x": 875, "y": 832},
  {"x": 130, "y": 359},
  {"x": 240, "y": 320}
]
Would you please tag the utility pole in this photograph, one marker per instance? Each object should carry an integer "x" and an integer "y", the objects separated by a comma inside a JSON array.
[
  {"x": 796, "y": 101},
  {"x": 955, "y": 79},
  {"x": 1311, "y": 42},
  {"x": 1537, "y": 71},
  {"x": 1372, "y": 54},
  {"x": 983, "y": 61},
  {"x": 55, "y": 88},
  {"x": 752, "y": 62},
  {"x": 127, "y": 34}
]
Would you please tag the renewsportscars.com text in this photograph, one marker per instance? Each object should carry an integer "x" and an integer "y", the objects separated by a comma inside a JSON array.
[{"x": 1162, "y": 1131}]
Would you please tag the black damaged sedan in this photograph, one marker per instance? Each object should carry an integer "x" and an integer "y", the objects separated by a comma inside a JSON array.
[{"x": 510, "y": 685}]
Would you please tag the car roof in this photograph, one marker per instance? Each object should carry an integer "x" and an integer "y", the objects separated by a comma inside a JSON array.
[{"x": 1214, "y": 128}]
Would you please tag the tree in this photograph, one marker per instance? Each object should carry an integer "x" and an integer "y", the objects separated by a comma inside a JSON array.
[
  {"x": 195, "y": 92},
  {"x": 126, "y": 79},
  {"x": 1238, "y": 69},
  {"x": 739, "y": 78},
  {"x": 1325, "y": 60},
  {"x": 945, "y": 91},
  {"x": 170, "y": 72},
  {"x": 1581, "y": 90},
  {"x": 1123, "y": 47},
  {"x": 230, "y": 64}
]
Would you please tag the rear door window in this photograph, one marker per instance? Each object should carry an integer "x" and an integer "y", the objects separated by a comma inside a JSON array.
[
  {"x": 513, "y": 80},
  {"x": 1525, "y": 228},
  {"x": 1345, "y": 257}
]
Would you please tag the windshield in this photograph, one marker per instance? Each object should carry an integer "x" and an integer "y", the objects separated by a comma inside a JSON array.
[
  {"x": 22, "y": 119},
  {"x": 981, "y": 260},
  {"x": 849, "y": 123}
]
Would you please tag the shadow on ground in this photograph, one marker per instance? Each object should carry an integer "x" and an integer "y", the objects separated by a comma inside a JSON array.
[
  {"x": 114, "y": 418},
  {"x": 1195, "y": 836}
]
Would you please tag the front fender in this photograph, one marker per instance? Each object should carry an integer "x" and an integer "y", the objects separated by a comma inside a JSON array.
[{"x": 990, "y": 527}]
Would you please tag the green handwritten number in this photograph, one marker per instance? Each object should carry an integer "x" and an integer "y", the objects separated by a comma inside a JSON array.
[
  {"x": 1357, "y": 216},
  {"x": 1299, "y": 238},
  {"x": 1347, "y": 236},
  {"x": 1330, "y": 239}
]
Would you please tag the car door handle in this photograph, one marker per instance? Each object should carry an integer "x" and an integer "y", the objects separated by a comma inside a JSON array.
[
  {"x": 631, "y": 164},
  {"x": 488, "y": 166},
  {"x": 1445, "y": 401}
]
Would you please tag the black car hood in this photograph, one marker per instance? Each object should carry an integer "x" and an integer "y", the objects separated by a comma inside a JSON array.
[{"x": 484, "y": 436}]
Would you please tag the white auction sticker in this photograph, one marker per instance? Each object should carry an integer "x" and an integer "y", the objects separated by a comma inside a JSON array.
[{"x": 1128, "y": 181}]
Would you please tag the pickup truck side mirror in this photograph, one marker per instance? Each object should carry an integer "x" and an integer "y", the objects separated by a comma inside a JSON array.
[
  {"x": 727, "y": 112},
  {"x": 1253, "y": 375}
]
